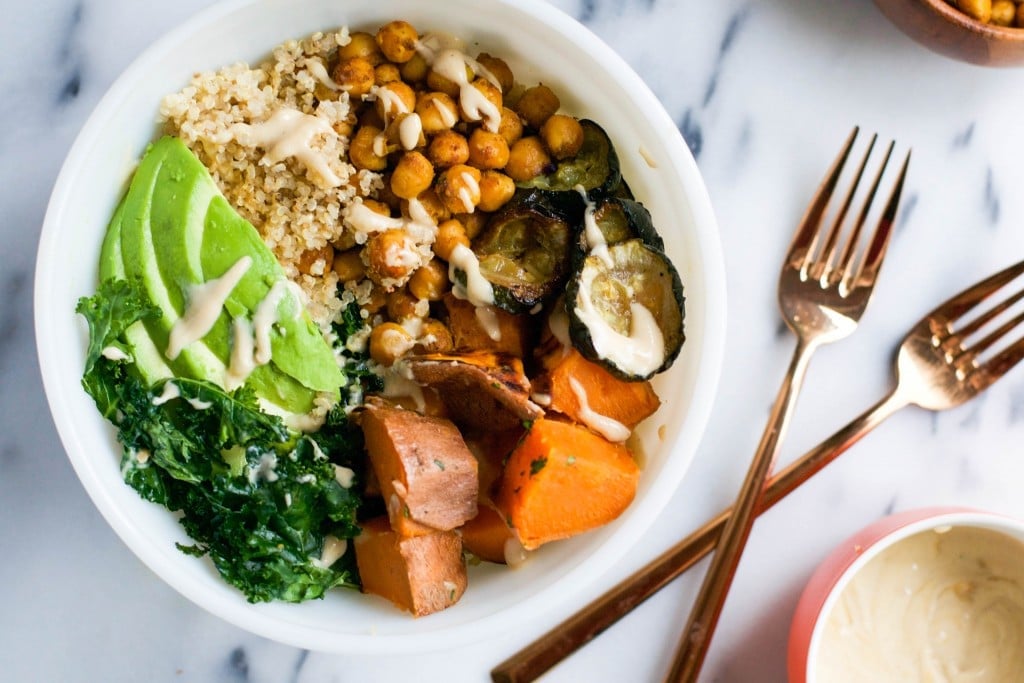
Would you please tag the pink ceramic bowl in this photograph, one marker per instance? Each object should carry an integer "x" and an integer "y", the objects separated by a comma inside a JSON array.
[{"x": 835, "y": 573}]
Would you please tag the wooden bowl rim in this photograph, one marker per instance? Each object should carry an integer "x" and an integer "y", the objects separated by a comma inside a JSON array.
[{"x": 965, "y": 21}]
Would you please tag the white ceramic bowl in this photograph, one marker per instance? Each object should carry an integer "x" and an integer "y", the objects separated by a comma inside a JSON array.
[
  {"x": 540, "y": 43},
  {"x": 835, "y": 573}
]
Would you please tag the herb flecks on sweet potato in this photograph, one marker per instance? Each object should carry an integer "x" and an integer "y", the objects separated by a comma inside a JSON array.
[
  {"x": 562, "y": 479},
  {"x": 427, "y": 475},
  {"x": 628, "y": 403},
  {"x": 421, "y": 574}
]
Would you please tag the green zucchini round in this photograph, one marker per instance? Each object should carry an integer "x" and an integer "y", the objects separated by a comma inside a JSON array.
[
  {"x": 638, "y": 274},
  {"x": 595, "y": 167},
  {"x": 524, "y": 250}
]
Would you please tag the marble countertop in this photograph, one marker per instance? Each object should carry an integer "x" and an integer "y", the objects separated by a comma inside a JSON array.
[{"x": 763, "y": 93}]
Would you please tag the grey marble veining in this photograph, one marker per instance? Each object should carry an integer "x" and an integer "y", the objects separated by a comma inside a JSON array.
[{"x": 763, "y": 94}]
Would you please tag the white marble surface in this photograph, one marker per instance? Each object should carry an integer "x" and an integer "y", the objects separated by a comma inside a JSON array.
[{"x": 764, "y": 93}]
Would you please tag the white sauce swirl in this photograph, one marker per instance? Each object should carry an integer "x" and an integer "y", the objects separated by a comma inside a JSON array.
[{"x": 937, "y": 607}]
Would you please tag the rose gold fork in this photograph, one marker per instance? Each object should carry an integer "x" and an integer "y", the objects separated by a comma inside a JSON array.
[
  {"x": 936, "y": 368},
  {"x": 823, "y": 292}
]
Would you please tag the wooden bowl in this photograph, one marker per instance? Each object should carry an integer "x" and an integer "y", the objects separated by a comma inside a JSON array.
[{"x": 943, "y": 28}]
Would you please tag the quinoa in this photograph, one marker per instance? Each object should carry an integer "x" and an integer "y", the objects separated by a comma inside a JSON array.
[{"x": 295, "y": 208}]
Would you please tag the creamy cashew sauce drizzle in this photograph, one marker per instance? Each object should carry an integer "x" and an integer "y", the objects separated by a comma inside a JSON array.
[{"x": 942, "y": 606}]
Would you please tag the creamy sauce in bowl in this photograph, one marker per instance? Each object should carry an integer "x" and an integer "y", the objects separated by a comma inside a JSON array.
[{"x": 941, "y": 606}]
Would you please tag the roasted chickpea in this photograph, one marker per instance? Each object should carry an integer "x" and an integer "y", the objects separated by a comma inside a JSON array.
[
  {"x": 316, "y": 261},
  {"x": 388, "y": 255},
  {"x": 489, "y": 91},
  {"x": 450, "y": 234},
  {"x": 563, "y": 136},
  {"x": 1003, "y": 13},
  {"x": 386, "y": 73},
  {"x": 413, "y": 174},
  {"x": 437, "y": 112},
  {"x": 377, "y": 207},
  {"x": 389, "y": 342},
  {"x": 361, "y": 44},
  {"x": 537, "y": 104},
  {"x": 415, "y": 70},
  {"x": 528, "y": 159},
  {"x": 499, "y": 69},
  {"x": 354, "y": 75},
  {"x": 473, "y": 223},
  {"x": 377, "y": 300},
  {"x": 430, "y": 282},
  {"x": 394, "y": 98},
  {"x": 978, "y": 9},
  {"x": 448, "y": 148},
  {"x": 511, "y": 126},
  {"x": 369, "y": 117},
  {"x": 390, "y": 199},
  {"x": 435, "y": 337},
  {"x": 397, "y": 40},
  {"x": 487, "y": 149},
  {"x": 402, "y": 304},
  {"x": 495, "y": 190},
  {"x": 459, "y": 188},
  {"x": 432, "y": 204},
  {"x": 436, "y": 81},
  {"x": 362, "y": 150},
  {"x": 348, "y": 265}
]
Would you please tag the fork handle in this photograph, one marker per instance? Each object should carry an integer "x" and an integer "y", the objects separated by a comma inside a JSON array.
[
  {"x": 710, "y": 600},
  {"x": 545, "y": 652}
]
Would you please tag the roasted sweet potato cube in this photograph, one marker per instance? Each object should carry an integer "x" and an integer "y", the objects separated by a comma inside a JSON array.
[
  {"x": 427, "y": 474},
  {"x": 468, "y": 333},
  {"x": 420, "y": 574},
  {"x": 563, "y": 479},
  {"x": 489, "y": 537},
  {"x": 575, "y": 384}
]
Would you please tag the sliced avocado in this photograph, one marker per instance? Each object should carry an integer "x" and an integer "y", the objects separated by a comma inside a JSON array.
[
  {"x": 177, "y": 231},
  {"x": 140, "y": 261},
  {"x": 149, "y": 362},
  {"x": 297, "y": 346}
]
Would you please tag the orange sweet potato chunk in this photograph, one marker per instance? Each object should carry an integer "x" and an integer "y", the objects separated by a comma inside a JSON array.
[
  {"x": 469, "y": 334},
  {"x": 426, "y": 473},
  {"x": 629, "y": 403},
  {"x": 422, "y": 574},
  {"x": 562, "y": 480},
  {"x": 487, "y": 535}
]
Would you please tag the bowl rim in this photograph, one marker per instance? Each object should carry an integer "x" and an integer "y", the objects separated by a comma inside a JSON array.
[
  {"x": 963, "y": 20},
  {"x": 835, "y": 573},
  {"x": 557, "y": 593}
]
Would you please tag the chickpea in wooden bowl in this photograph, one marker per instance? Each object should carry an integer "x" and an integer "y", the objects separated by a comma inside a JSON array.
[{"x": 982, "y": 32}]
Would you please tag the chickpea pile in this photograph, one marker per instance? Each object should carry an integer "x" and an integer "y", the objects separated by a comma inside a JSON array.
[
  {"x": 458, "y": 168},
  {"x": 996, "y": 12}
]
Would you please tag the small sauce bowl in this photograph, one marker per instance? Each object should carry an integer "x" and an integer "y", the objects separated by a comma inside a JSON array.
[
  {"x": 945, "y": 29},
  {"x": 822, "y": 598}
]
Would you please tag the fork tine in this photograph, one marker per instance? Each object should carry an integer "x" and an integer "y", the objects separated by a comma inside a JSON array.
[
  {"x": 868, "y": 271},
  {"x": 829, "y": 249},
  {"x": 963, "y": 302},
  {"x": 998, "y": 366},
  {"x": 802, "y": 246},
  {"x": 987, "y": 317}
]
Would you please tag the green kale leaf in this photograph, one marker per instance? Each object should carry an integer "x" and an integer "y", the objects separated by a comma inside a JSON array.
[{"x": 257, "y": 498}]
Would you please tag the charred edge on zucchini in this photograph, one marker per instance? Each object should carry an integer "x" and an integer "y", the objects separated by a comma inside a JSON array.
[
  {"x": 524, "y": 250},
  {"x": 623, "y": 219},
  {"x": 638, "y": 274},
  {"x": 595, "y": 167}
]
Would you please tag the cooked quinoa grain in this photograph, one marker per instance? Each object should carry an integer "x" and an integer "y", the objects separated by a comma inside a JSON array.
[{"x": 294, "y": 207}]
